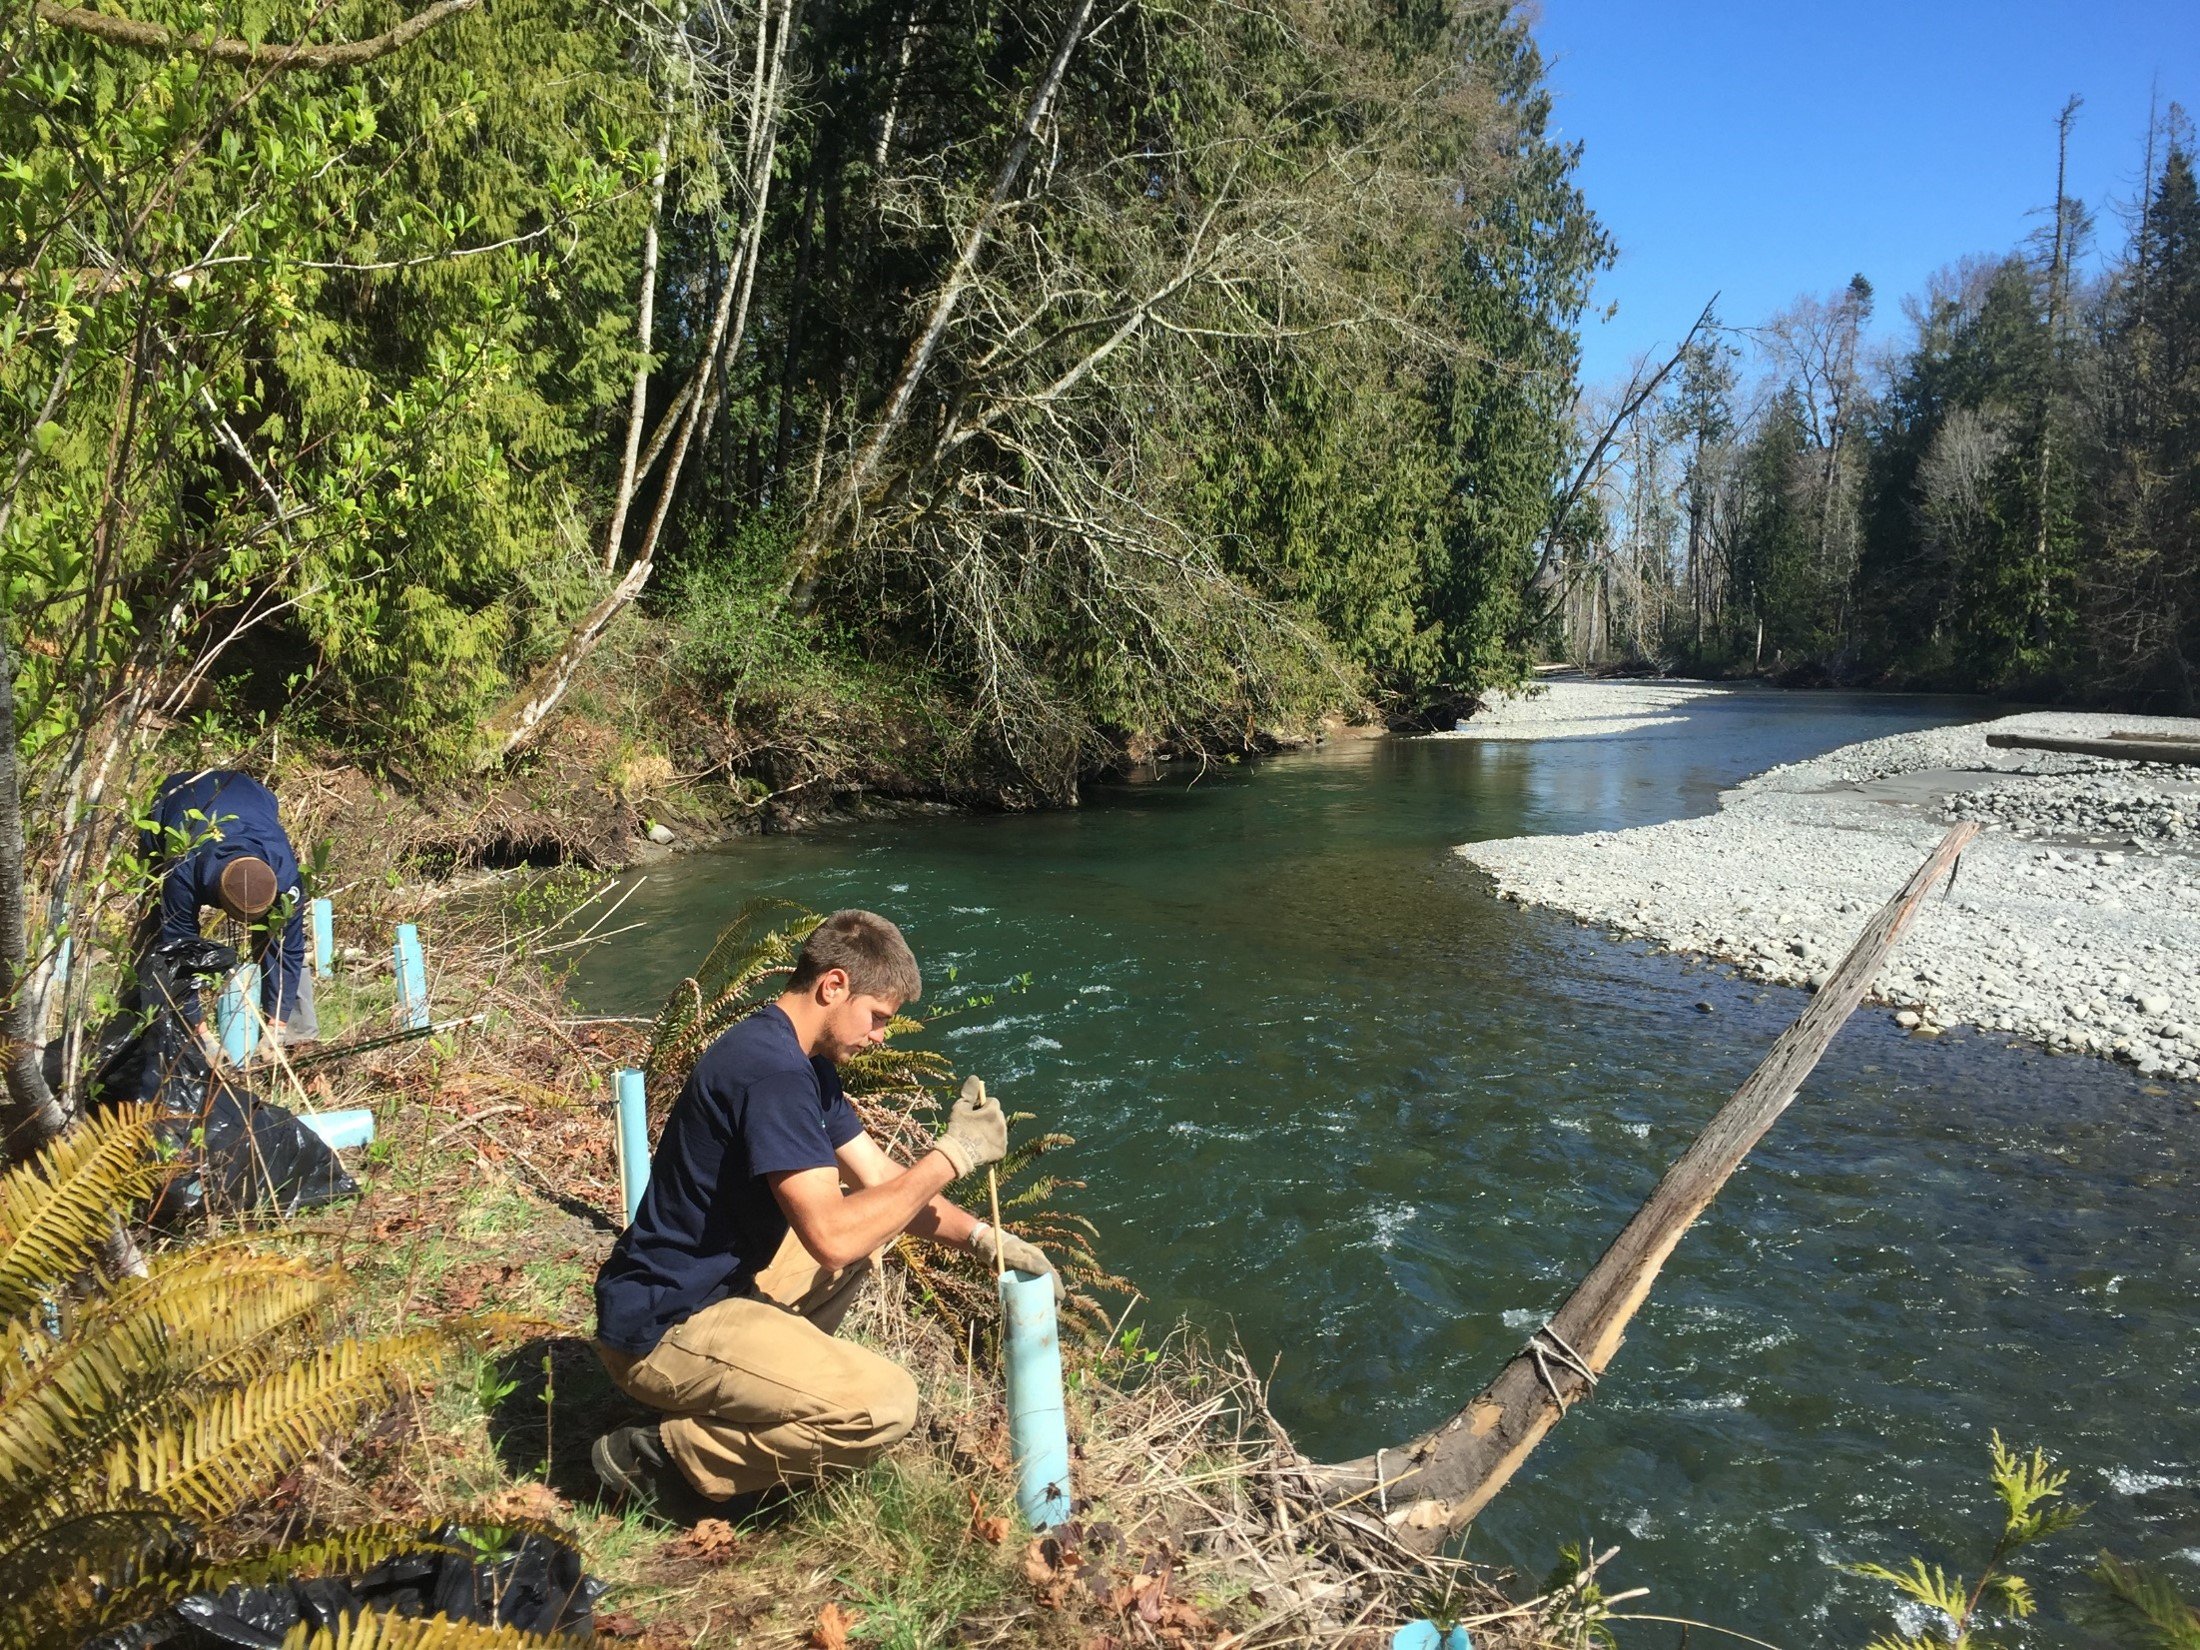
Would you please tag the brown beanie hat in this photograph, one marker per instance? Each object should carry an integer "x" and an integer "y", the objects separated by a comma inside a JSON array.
[{"x": 247, "y": 887}]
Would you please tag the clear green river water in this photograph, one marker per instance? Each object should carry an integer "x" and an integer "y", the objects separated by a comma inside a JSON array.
[{"x": 1333, "y": 1096}]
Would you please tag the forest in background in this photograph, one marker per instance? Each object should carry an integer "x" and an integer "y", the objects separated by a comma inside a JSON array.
[
  {"x": 2006, "y": 501},
  {"x": 1091, "y": 378}
]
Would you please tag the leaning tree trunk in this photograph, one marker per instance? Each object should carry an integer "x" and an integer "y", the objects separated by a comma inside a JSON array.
[
  {"x": 828, "y": 519},
  {"x": 31, "y": 1115},
  {"x": 521, "y": 718},
  {"x": 1432, "y": 1488}
]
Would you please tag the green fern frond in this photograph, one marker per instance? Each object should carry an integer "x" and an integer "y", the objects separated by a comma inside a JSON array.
[
  {"x": 1929, "y": 1587},
  {"x": 894, "y": 1068},
  {"x": 221, "y": 1307},
  {"x": 389, "y": 1631},
  {"x": 682, "y": 1011},
  {"x": 57, "y": 1209},
  {"x": 740, "y": 954},
  {"x": 227, "y": 1448},
  {"x": 732, "y": 981}
]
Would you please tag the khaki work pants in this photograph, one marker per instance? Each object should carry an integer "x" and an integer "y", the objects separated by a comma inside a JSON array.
[{"x": 756, "y": 1390}]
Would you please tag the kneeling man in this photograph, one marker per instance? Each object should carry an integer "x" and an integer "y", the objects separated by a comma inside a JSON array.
[{"x": 767, "y": 1207}]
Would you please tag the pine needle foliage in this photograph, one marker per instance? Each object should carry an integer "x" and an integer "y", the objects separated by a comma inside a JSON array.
[
  {"x": 2033, "y": 1508},
  {"x": 900, "y": 1092},
  {"x": 140, "y": 1418}
]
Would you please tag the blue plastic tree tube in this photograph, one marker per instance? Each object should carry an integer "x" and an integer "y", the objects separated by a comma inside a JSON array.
[
  {"x": 412, "y": 979},
  {"x": 633, "y": 1139},
  {"x": 1038, "y": 1430},
  {"x": 1426, "y": 1635},
  {"x": 341, "y": 1130},
  {"x": 234, "y": 1012},
  {"x": 322, "y": 915}
]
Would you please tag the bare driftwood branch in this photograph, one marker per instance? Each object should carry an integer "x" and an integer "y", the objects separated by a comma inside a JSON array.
[
  {"x": 155, "y": 37},
  {"x": 1434, "y": 1486}
]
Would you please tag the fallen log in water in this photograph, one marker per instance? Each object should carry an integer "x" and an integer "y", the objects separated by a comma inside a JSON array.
[
  {"x": 1431, "y": 1488},
  {"x": 2122, "y": 747}
]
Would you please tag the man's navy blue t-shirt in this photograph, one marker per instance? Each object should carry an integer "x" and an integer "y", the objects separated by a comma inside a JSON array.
[{"x": 755, "y": 1105}]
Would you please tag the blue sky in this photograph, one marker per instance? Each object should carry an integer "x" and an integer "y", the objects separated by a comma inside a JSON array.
[{"x": 1769, "y": 149}]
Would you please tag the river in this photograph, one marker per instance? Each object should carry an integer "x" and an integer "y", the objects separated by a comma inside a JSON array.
[{"x": 1332, "y": 1095}]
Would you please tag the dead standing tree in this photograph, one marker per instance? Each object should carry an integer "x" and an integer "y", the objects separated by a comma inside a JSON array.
[
  {"x": 1429, "y": 1490},
  {"x": 730, "y": 73},
  {"x": 687, "y": 421}
]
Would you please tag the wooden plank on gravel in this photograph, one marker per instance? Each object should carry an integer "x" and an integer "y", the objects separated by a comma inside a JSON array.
[{"x": 2119, "y": 747}]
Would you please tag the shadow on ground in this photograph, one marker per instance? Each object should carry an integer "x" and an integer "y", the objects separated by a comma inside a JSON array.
[{"x": 556, "y": 1401}]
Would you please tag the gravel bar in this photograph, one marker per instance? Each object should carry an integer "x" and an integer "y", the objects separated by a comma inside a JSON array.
[{"x": 2074, "y": 921}]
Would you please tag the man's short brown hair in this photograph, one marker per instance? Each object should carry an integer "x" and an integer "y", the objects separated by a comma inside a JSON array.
[{"x": 868, "y": 949}]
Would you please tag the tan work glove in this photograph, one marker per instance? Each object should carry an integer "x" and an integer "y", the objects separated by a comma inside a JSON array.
[
  {"x": 977, "y": 1133},
  {"x": 1015, "y": 1254}
]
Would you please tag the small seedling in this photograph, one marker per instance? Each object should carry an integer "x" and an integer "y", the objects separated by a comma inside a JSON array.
[{"x": 2033, "y": 1508}]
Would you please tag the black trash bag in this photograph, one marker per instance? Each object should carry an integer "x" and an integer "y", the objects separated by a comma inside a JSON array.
[
  {"x": 533, "y": 1581},
  {"x": 239, "y": 1152},
  {"x": 244, "y": 1153},
  {"x": 148, "y": 1051}
]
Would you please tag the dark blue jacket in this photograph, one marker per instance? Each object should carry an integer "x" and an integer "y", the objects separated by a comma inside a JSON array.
[{"x": 217, "y": 815}]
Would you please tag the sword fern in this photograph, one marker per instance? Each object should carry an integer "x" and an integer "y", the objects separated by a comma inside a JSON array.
[{"x": 140, "y": 1418}]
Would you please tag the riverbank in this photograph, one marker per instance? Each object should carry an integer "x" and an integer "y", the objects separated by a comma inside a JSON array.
[
  {"x": 2074, "y": 923},
  {"x": 491, "y": 1192}
]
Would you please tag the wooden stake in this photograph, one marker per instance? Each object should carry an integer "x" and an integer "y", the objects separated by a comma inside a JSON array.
[
  {"x": 1433, "y": 1487},
  {"x": 993, "y": 1191}
]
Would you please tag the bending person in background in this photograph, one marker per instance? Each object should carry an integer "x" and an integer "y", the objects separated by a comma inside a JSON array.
[
  {"x": 767, "y": 1206},
  {"x": 217, "y": 841}
]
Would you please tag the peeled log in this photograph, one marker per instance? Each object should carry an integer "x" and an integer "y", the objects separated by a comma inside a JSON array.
[
  {"x": 1432, "y": 1488},
  {"x": 2122, "y": 747}
]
